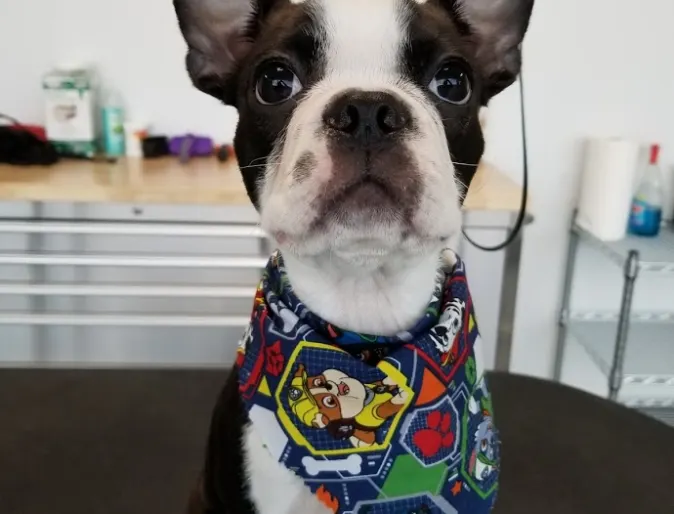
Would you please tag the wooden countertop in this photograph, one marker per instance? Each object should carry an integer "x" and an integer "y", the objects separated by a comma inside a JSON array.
[{"x": 201, "y": 182}]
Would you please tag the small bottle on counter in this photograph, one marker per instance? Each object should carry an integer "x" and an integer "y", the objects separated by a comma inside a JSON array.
[
  {"x": 135, "y": 132},
  {"x": 113, "y": 125},
  {"x": 646, "y": 215}
]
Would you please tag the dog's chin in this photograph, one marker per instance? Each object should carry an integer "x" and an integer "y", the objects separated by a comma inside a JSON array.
[
  {"x": 365, "y": 254},
  {"x": 361, "y": 248},
  {"x": 361, "y": 228}
]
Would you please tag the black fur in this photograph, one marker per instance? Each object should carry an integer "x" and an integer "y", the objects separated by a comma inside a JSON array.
[
  {"x": 289, "y": 36},
  {"x": 223, "y": 488}
]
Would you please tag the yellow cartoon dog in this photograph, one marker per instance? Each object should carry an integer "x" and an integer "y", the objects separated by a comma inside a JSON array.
[{"x": 343, "y": 405}]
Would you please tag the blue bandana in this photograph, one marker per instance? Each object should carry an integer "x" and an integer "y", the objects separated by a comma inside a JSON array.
[{"x": 390, "y": 425}]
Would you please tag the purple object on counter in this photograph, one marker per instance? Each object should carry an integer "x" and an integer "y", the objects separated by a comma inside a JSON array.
[{"x": 189, "y": 145}]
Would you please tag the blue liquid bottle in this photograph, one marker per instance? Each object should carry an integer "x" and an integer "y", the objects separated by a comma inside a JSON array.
[
  {"x": 646, "y": 215},
  {"x": 113, "y": 126}
]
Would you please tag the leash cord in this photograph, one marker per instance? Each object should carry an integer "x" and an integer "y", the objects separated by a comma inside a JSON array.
[{"x": 519, "y": 223}]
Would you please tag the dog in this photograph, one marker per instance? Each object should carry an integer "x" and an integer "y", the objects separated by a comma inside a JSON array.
[
  {"x": 448, "y": 328},
  {"x": 343, "y": 405},
  {"x": 482, "y": 458},
  {"x": 358, "y": 137}
]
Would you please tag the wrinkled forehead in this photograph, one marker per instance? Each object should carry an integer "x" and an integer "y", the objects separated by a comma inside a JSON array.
[{"x": 351, "y": 37}]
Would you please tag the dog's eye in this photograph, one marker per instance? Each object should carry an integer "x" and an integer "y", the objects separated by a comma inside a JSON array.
[
  {"x": 276, "y": 84},
  {"x": 330, "y": 402},
  {"x": 452, "y": 84}
]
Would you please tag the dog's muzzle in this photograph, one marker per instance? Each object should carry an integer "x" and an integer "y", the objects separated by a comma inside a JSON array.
[{"x": 366, "y": 133}]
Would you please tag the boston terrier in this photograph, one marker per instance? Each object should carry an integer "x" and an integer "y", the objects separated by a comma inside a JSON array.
[{"x": 358, "y": 137}]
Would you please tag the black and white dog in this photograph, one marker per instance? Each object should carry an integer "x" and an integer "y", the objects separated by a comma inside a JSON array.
[{"x": 358, "y": 137}]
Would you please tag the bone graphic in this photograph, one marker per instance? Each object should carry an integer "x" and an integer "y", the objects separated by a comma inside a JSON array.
[
  {"x": 473, "y": 407},
  {"x": 352, "y": 464}
]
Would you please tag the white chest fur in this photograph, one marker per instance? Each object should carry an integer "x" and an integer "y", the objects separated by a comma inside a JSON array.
[{"x": 273, "y": 488}]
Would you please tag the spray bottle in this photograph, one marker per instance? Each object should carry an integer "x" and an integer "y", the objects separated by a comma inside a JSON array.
[
  {"x": 113, "y": 125},
  {"x": 646, "y": 215}
]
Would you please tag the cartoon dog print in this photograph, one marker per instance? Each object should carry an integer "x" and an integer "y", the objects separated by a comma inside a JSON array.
[
  {"x": 343, "y": 405},
  {"x": 448, "y": 328},
  {"x": 483, "y": 457}
]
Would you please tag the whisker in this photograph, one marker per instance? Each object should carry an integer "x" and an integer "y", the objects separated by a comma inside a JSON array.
[
  {"x": 465, "y": 164},
  {"x": 258, "y": 165},
  {"x": 260, "y": 159}
]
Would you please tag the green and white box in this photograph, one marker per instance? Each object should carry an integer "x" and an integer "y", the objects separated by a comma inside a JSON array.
[{"x": 71, "y": 111}]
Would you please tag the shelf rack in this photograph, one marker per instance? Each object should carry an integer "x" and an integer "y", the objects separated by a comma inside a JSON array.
[
  {"x": 656, "y": 255},
  {"x": 616, "y": 341},
  {"x": 652, "y": 367}
]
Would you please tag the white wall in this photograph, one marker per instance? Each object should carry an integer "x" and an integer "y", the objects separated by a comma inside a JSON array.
[
  {"x": 135, "y": 45},
  {"x": 592, "y": 68}
]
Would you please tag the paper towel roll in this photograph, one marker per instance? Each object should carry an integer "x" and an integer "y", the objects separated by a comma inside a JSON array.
[{"x": 607, "y": 187}]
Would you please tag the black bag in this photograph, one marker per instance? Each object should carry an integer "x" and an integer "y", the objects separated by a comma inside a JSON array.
[{"x": 20, "y": 147}]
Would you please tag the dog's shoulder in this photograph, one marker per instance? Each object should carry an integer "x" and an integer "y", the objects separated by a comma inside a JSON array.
[{"x": 222, "y": 487}]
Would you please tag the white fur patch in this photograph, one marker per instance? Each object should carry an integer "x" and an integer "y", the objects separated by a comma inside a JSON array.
[
  {"x": 273, "y": 488},
  {"x": 363, "y": 49}
]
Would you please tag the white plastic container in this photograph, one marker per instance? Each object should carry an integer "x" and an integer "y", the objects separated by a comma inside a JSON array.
[{"x": 70, "y": 107}]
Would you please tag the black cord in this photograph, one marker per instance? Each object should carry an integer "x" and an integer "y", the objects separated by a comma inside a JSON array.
[
  {"x": 13, "y": 121},
  {"x": 519, "y": 223}
]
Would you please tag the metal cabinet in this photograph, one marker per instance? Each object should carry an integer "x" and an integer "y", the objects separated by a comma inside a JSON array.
[{"x": 153, "y": 285}]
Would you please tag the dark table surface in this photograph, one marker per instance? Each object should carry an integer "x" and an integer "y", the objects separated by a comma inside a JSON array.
[{"x": 131, "y": 442}]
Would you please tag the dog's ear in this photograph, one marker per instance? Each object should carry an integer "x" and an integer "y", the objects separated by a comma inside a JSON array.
[
  {"x": 499, "y": 27},
  {"x": 219, "y": 34}
]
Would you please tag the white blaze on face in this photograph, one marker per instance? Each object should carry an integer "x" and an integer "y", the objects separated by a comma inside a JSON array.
[{"x": 364, "y": 40}]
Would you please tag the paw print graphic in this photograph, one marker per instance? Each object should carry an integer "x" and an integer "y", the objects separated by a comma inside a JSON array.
[
  {"x": 438, "y": 435},
  {"x": 433, "y": 434}
]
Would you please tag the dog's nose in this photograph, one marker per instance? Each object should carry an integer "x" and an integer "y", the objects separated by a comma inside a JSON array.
[{"x": 367, "y": 117}]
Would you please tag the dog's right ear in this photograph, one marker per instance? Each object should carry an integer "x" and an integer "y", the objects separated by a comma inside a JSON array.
[{"x": 219, "y": 34}]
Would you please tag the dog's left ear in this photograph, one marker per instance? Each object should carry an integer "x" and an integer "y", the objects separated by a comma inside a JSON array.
[{"x": 499, "y": 26}]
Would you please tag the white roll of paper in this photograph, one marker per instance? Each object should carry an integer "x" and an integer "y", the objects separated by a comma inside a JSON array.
[{"x": 607, "y": 187}]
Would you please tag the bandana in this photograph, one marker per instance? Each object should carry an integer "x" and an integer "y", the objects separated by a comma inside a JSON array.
[{"x": 372, "y": 424}]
